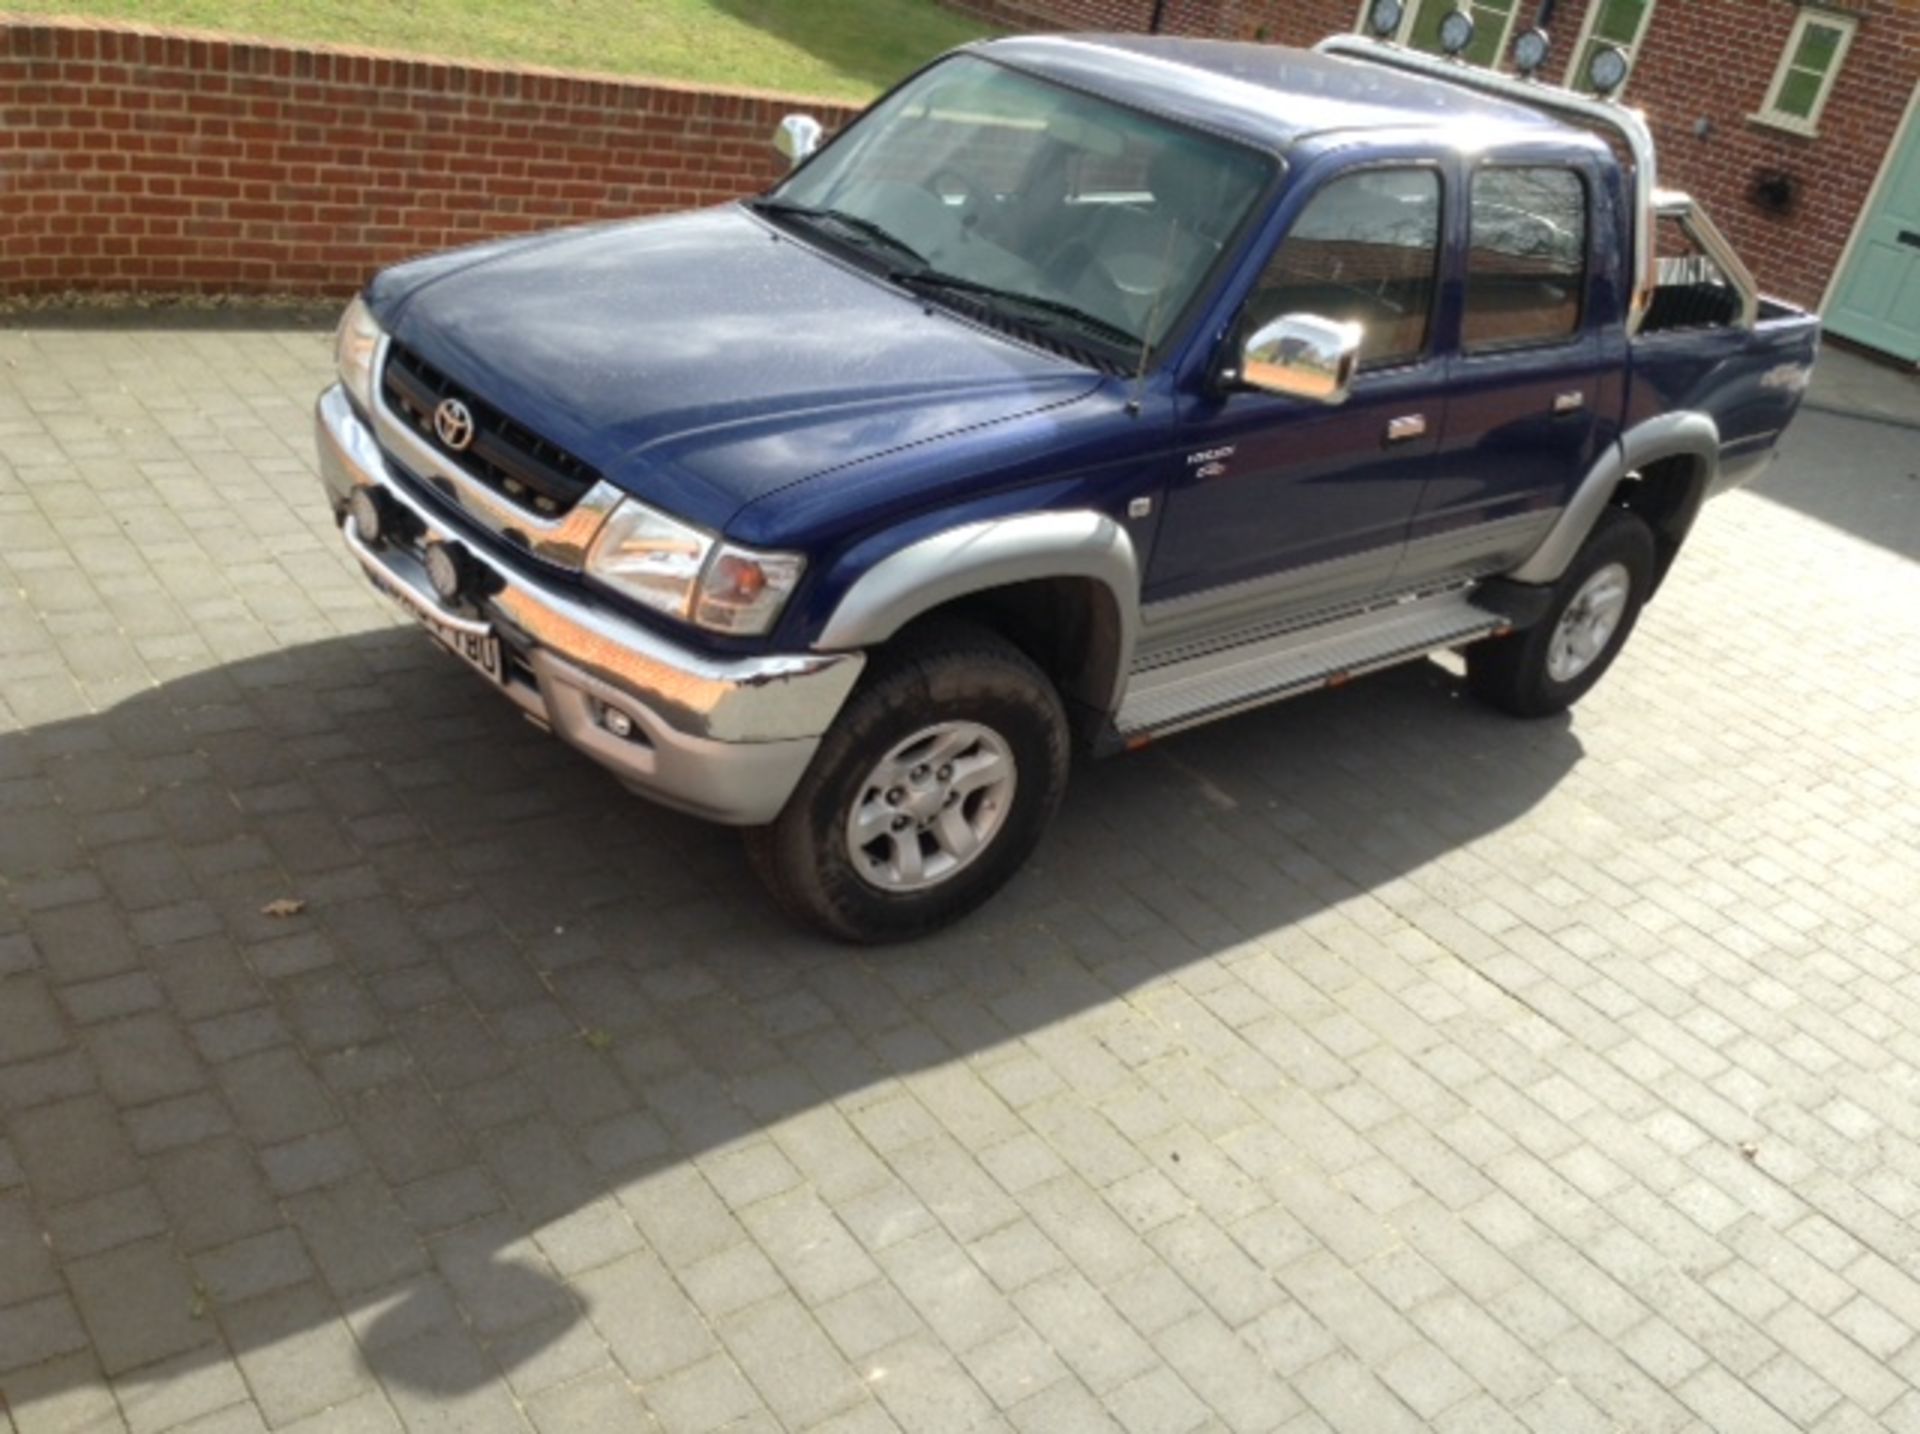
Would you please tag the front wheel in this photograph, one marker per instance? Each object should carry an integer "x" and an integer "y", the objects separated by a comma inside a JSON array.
[
  {"x": 1551, "y": 665},
  {"x": 931, "y": 789}
]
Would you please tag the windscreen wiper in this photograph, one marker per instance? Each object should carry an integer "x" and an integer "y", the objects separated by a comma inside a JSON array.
[
  {"x": 1035, "y": 303},
  {"x": 840, "y": 219}
]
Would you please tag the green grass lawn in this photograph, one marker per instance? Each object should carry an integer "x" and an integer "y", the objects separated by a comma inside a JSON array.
[{"x": 846, "y": 48}]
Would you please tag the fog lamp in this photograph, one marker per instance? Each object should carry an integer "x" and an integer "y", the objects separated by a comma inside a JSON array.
[
  {"x": 1384, "y": 18},
  {"x": 369, "y": 518},
  {"x": 616, "y": 722},
  {"x": 446, "y": 570},
  {"x": 1456, "y": 32}
]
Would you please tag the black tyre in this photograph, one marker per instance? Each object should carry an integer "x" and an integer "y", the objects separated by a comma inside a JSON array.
[
  {"x": 1551, "y": 665},
  {"x": 932, "y": 787}
]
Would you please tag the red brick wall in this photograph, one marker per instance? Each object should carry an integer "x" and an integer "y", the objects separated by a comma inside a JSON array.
[
  {"x": 144, "y": 160},
  {"x": 1709, "y": 60}
]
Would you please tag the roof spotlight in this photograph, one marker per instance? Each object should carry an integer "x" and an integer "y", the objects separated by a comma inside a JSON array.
[
  {"x": 1608, "y": 70},
  {"x": 1530, "y": 51},
  {"x": 1384, "y": 18},
  {"x": 1456, "y": 32}
]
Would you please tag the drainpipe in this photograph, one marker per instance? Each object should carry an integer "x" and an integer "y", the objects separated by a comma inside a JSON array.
[
  {"x": 1546, "y": 13},
  {"x": 1160, "y": 13}
]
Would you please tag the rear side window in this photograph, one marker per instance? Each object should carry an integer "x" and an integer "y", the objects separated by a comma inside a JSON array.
[
  {"x": 1367, "y": 249},
  {"x": 1527, "y": 264}
]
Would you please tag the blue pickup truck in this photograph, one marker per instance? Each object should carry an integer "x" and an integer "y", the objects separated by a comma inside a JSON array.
[{"x": 1081, "y": 390}]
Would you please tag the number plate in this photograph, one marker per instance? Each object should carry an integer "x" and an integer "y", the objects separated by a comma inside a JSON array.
[{"x": 480, "y": 652}]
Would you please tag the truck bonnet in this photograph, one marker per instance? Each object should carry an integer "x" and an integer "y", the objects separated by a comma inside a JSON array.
[{"x": 704, "y": 360}]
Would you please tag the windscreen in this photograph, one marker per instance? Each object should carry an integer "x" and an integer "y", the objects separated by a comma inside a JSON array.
[{"x": 1014, "y": 183}]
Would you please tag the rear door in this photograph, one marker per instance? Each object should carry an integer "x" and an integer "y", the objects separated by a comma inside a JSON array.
[{"x": 1535, "y": 382}]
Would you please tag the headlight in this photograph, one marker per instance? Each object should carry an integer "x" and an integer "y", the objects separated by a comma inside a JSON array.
[
  {"x": 354, "y": 344},
  {"x": 671, "y": 567}
]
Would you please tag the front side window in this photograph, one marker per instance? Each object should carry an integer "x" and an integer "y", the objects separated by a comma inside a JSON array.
[
  {"x": 1527, "y": 261},
  {"x": 1366, "y": 249},
  {"x": 1808, "y": 67},
  {"x": 1001, "y": 189}
]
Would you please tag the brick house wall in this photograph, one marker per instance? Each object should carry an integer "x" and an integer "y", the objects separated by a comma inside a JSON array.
[
  {"x": 1704, "y": 67},
  {"x": 149, "y": 160}
]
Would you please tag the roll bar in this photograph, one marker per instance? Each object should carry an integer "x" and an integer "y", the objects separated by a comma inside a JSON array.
[{"x": 1672, "y": 204}]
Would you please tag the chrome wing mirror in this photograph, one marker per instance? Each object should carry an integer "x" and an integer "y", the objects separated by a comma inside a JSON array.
[
  {"x": 797, "y": 137},
  {"x": 1302, "y": 356}
]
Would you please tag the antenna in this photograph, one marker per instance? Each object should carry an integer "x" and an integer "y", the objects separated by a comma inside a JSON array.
[{"x": 1153, "y": 317}]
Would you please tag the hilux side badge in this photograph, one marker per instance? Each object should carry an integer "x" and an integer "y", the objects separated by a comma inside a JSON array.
[{"x": 1209, "y": 463}]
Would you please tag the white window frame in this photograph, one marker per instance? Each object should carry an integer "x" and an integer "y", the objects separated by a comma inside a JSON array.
[
  {"x": 1770, "y": 114},
  {"x": 1412, "y": 15},
  {"x": 1574, "y": 77}
]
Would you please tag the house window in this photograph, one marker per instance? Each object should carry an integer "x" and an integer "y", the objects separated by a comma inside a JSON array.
[
  {"x": 1492, "y": 23},
  {"x": 1619, "y": 24},
  {"x": 1808, "y": 68}
]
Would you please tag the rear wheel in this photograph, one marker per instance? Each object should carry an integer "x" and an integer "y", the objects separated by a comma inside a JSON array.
[
  {"x": 929, "y": 792},
  {"x": 1553, "y": 664}
]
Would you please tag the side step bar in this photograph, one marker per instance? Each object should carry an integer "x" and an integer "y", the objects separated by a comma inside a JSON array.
[{"x": 1182, "y": 694}]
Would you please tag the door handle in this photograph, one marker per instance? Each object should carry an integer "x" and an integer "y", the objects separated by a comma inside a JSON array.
[
  {"x": 1408, "y": 426},
  {"x": 1910, "y": 236},
  {"x": 1571, "y": 402}
]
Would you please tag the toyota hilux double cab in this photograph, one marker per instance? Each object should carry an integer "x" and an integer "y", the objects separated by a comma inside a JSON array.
[{"x": 1080, "y": 390}]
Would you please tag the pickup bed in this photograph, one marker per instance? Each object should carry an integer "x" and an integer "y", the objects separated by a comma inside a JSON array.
[{"x": 1081, "y": 390}]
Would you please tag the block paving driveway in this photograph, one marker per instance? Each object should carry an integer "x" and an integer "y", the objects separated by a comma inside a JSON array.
[{"x": 1370, "y": 1063}]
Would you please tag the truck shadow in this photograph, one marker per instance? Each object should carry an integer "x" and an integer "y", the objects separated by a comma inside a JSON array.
[{"x": 511, "y": 995}]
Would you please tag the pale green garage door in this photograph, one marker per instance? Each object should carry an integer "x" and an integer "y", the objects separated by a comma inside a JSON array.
[{"x": 1877, "y": 300}]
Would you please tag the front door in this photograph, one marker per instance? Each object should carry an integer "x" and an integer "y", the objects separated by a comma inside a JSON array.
[
  {"x": 1877, "y": 301},
  {"x": 1285, "y": 505}
]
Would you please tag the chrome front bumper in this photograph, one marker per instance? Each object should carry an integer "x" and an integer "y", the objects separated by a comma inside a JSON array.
[{"x": 725, "y": 739}]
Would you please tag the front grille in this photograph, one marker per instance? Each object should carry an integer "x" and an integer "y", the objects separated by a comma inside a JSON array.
[{"x": 506, "y": 456}]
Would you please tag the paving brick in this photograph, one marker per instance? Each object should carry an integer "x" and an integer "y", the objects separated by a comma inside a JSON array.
[
  {"x": 598, "y": 1401},
  {"x": 791, "y": 1362},
  {"x": 30, "y": 1023},
  {"x": 73, "y": 1149},
  {"x": 62, "y": 1395},
  {"x": 312, "y": 1162},
  {"x": 1096, "y": 1343},
  {"x": 37, "y": 1329},
  {"x": 296, "y": 1352},
  {"x": 703, "y": 1396},
  {"x": 104, "y": 1222},
  {"x": 275, "y": 1097},
  {"x": 139, "y": 1304},
  {"x": 213, "y": 1193},
  {"x": 648, "y": 1324},
  {"x": 184, "y": 1391},
  {"x": 26, "y": 1265},
  {"x": 254, "y": 1265},
  {"x": 923, "y": 1386},
  {"x": 358, "y": 1235},
  {"x": 864, "y": 1320},
  {"x": 808, "y": 1245}
]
